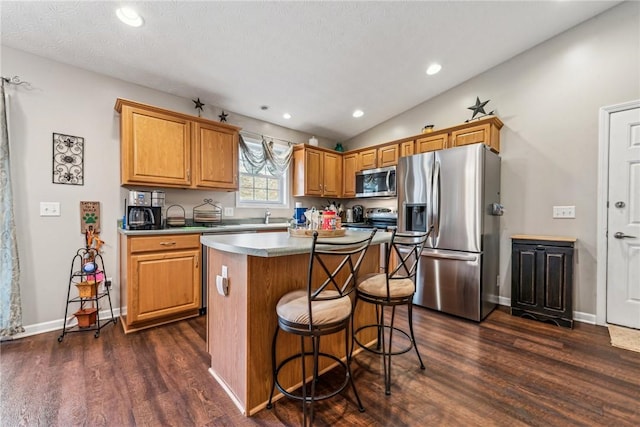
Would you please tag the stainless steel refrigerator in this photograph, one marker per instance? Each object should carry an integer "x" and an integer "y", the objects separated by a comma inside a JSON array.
[{"x": 458, "y": 191}]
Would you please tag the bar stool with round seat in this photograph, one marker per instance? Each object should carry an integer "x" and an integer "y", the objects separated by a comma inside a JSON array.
[
  {"x": 396, "y": 286},
  {"x": 323, "y": 308}
]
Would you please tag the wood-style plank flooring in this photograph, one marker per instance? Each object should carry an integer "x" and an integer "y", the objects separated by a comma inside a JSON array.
[{"x": 505, "y": 371}]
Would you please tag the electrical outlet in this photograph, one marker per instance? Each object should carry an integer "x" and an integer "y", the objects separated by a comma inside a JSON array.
[
  {"x": 228, "y": 211},
  {"x": 49, "y": 208},
  {"x": 564, "y": 211},
  {"x": 498, "y": 281},
  {"x": 107, "y": 282}
]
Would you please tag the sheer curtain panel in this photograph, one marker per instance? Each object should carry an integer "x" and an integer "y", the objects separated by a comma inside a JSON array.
[{"x": 10, "y": 304}]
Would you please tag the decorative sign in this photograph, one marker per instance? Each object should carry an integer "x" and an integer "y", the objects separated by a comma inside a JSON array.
[
  {"x": 89, "y": 217},
  {"x": 68, "y": 159}
]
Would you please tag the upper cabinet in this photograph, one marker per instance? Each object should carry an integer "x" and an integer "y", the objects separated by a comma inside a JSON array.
[
  {"x": 484, "y": 131},
  {"x": 316, "y": 172},
  {"x": 168, "y": 149},
  {"x": 407, "y": 148},
  {"x": 379, "y": 157},
  {"x": 349, "y": 169},
  {"x": 432, "y": 142}
]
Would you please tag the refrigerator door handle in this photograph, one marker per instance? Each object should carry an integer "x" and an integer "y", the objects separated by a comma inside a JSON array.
[
  {"x": 455, "y": 257},
  {"x": 435, "y": 200}
]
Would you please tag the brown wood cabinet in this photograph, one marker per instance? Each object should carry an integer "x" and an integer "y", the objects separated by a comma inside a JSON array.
[
  {"x": 159, "y": 279},
  {"x": 388, "y": 155},
  {"x": 368, "y": 159},
  {"x": 216, "y": 156},
  {"x": 316, "y": 172},
  {"x": 407, "y": 148},
  {"x": 432, "y": 142},
  {"x": 163, "y": 148},
  {"x": 349, "y": 169},
  {"x": 485, "y": 131}
]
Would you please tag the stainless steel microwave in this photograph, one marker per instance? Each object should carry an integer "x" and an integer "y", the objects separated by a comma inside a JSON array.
[{"x": 376, "y": 182}]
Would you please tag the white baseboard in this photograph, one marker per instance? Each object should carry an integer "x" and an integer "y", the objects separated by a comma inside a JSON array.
[
  {"x": 578, "y": 316},
  {"x": 56, "y": 325}
]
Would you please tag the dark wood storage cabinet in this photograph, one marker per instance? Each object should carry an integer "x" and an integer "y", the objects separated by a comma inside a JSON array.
[{"x": 542, "y": 278}]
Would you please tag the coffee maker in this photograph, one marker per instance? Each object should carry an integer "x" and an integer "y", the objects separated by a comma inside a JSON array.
[{"x": 141, "y": 212}]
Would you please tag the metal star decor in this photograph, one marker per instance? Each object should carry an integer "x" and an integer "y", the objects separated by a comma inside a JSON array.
[
  {"x": 479, "y": 108},
  {"x": 199, "y": 105},
  {"x": 223, "y": 116}
]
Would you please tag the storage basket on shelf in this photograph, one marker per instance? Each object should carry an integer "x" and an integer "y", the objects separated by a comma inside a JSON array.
[
  {"x": 175, "y": 217},
  {"x": 87, "y": 289},
  {"x": 86, "y": 317},
  {"x": 207, "y": 213}
]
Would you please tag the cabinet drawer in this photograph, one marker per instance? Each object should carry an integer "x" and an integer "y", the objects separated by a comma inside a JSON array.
[{"x": 167, "y": 242}]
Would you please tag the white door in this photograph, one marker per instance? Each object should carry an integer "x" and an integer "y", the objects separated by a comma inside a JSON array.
[{"x": 623, "y": 225}]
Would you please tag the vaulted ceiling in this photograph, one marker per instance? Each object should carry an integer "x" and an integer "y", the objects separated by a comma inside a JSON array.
[{"x": 318, "y": 61}]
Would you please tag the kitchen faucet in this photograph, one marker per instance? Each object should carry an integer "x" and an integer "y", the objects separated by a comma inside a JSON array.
[{"x": 267, "y": 214}]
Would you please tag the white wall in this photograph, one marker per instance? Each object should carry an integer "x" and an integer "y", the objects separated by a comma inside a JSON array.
[
  {"x": 73, "y": 101},
  {"x": 548, "y": 98}
]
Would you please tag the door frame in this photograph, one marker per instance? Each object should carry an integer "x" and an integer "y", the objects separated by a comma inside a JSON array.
[{"x": 603, "y": 187}]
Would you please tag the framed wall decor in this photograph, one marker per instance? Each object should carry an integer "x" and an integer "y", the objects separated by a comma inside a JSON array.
[{"x": 68, "y": 159}]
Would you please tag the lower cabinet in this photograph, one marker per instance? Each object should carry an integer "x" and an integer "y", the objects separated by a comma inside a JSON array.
[
  {"x": 542, "y": 278},
  {"x": 160, "y": 279}
]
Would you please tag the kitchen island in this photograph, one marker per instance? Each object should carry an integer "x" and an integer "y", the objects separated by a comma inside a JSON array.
[{"x": 240, "y": 325}]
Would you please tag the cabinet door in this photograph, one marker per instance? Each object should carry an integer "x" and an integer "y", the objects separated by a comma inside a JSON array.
[
  {"x": 163, "y": 284},
  {"x": 472, "y": 135},
  {"x": 368, "y": 159},
  {"x": 332, "y": 175},
  {"x": 350, "y": 167},
  {"x": 554, "y": 276},
  {"x": 407, "y": 148},
  {"x": 523, "y": 289},
  {"x": 431, "y": 143},
  {"x": 313, "y": 167},
  {"x": 216, "y": 157},
  {"x": 388, "y": 155},
  {"x": 155, "y": 148}
]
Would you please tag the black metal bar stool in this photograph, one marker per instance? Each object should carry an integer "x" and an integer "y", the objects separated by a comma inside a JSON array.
[
  {"x": 323, "y": 308},
  {"x": 392, "y": 288}
]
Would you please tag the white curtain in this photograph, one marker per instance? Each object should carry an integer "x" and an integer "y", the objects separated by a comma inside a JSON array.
[
  {"x": 275, "y": 162},
  {"x": 10, "y": 304}
]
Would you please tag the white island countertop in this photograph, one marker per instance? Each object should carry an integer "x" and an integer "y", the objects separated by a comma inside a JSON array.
[{"x": 279, "y": 244}]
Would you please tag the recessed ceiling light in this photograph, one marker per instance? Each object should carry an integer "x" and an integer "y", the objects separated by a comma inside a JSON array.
[
  {"x": 129, "y": 16},
  {"x": 286, "y": 116},
  {"x": 358, "y": 113},
  {"x": 434, "y": 69}
]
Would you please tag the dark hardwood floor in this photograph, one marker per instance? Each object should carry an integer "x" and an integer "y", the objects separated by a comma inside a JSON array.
[{"x": 503, "y": 371}]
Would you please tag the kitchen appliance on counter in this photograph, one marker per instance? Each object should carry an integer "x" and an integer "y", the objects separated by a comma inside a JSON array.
[
  {"x": 456, "y": 190},
  {"x": 358, "y": 213},
  {"x": 376, "y": 182},
  {"x": 141, "y": 214}
]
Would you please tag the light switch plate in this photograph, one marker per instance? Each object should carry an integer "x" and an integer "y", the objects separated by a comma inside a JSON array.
[
  {"x": 564, "y": 211},
  {"x": 49, "y": 208},
  {"x": 228, "y": 211}
]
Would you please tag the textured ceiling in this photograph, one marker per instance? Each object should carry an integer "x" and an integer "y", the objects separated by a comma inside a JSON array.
[{"x": 318, "y": 61}]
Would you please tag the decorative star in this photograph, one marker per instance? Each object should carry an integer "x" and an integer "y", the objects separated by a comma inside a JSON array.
[
  {"x": 478, "y": 108},
  {"x": 199, "y": 105},
  {"x": 223, "y": 116}
]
